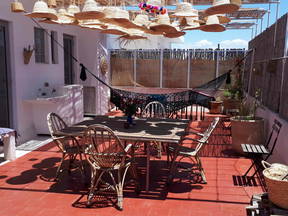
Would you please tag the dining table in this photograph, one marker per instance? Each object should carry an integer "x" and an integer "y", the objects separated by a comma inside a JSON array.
[{"x": 146, "y": 130}]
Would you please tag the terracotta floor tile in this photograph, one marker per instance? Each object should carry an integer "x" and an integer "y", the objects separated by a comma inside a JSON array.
[{"x": 24, "y": 189}]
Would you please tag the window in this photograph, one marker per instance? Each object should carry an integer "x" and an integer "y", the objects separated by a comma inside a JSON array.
[
  {"x": 40, "y": 46},
  {"x": 54, "y": 47}
]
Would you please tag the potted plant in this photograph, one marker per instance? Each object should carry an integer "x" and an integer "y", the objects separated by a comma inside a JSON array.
[
  {"x": 216, "y": 107},
  {"x": 247, "y": 128}
]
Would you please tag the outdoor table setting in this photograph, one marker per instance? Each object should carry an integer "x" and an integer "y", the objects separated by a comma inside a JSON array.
[{"x": 145, "y": 130}]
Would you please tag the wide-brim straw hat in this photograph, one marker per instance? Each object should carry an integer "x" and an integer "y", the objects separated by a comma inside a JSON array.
[
  {"x": 41, "y": 10},
  {"x": 140, "y": 22},
  {"x": 189, "y": 21},
  {"x": 212, "y": 25},
  {"x": 174, "y": 34},
  {"x": 185, "y": 9},
  {"x": 64, "y": 19},
  {"x": 92, "y": 27},
  {"x": 192, "y": 26},
  {"x": 121, "y": 17},
  {"x": 109, "y": 15},
  {"x": 222, "y": 18},
  {"x": 162, "y": 25},
  {"x": 223, "y": 7},
  {"x": 115, "y": 30},
  {"x": 134, "y": 34},
  {"x": 17, "y": 7},
  {"x": 72, "y": 10},
  {"x": 90, "y": 10},
  {"x": 91, "y": 22}
]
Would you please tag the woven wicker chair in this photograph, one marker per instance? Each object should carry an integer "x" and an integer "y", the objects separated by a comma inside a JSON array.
[
  {"x": 154, "y": 109},
  {"x": 69, "y": 146},
  {"x": 107, "y": 158},
  {"x": 178, "y": 150}
]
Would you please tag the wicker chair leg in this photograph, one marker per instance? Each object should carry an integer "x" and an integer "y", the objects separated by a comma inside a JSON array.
[
  {"x": 94, "y": 183},
  {"x": 204, "y": 181},
  {"x": 59, "y": 167}
]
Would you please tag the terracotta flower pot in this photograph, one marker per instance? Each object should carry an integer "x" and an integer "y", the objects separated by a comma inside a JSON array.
[
  {"x": 246, "y": 131},
  {"x": 216, "y": 107}
]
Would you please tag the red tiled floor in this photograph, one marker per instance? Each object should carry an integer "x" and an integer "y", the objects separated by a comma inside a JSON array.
[{"x": 24, "y": 192}]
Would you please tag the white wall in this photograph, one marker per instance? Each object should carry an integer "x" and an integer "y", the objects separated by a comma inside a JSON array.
[
  {"x": 280, "y": 152},
  {"x": 26, "y": 79}
]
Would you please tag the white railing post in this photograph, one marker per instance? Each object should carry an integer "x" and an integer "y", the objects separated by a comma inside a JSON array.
[
  {"x": 134, "y": 66},
  {"x": 188, "y": 67},
  {"x": 161, "y": 68}
]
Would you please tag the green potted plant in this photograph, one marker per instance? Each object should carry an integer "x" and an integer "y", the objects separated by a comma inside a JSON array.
[{"x": 247, "y": 128}]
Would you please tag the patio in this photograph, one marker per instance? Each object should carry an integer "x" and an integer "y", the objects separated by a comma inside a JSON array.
[{"x": 25, "y": 190}]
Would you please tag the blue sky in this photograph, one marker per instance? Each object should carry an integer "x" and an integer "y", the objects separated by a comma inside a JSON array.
[{"x": 230, "y": 38}]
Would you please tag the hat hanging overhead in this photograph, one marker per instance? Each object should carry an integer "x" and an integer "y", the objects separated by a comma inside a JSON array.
[
  {"x": 17, "y": 7},
  {"x": 41, "y": 10},
  {"x": 222, "y": 18},
  {"x": 162, "y": 25},
  {"x": 140, "y": 22},
  {"x": 223, "y": 6},
  {"x": 134, "y": 34},
  {"x": 115, "y": 30},
  {"x": 72, "y": 10},
  {"x": 212, "y": 25},
  {"x": 91, "y": 10},
  {"x": 185, "y": 9},
  {"x": 189, "y": 23}
]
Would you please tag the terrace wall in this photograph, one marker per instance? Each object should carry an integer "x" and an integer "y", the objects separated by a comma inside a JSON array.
[
  {"x": 267, "y": 69},
  {"x": 27, "y": 79},
  {"x": 170, "y": 68}
]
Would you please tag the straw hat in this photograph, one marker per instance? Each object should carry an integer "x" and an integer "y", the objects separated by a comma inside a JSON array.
[
  {"x": 90, "y": 11},
  {"x": 17, "y": 7},
  {"x": 92, "y": 27},
  {"x": 162, "y": 25},
  {"x": 134, "y": 34},
  {"x": 91, "y": 22},
  {"x": 141, "y": 22},
  {"x": 72, "y": 9},
  {"x": 212, "y": 25},
  {"x": 116, "y": 16},
  {"x": 184, "y": 9},
  {"x": 121, "y": 17},
  {"x": 41, "y": 10},
  {"x": 115, "y": 30},
  {"x": 190, "y": 24},
  {"x": 222, "y": 18},
  {"x": 174, "y": 34},
  {"x": 223, "y": 6},
  {"x": 63, "y": 18},
  {"x": 52, "y": 3}
]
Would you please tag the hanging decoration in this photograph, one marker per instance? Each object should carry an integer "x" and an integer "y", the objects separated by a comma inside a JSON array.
[{"x": 152, "y": 8}]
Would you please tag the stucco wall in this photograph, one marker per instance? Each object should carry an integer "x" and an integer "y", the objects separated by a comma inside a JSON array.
[{"x": 26, "y": 79}]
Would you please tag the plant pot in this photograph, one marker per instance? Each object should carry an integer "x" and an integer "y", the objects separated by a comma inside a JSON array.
[
  {"x": 216, "y": 107},
  {"x": 246, "y": 131},
  {"x": 230, "y": 104}
]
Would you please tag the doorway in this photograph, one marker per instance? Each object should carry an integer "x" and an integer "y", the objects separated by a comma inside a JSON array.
[
  {"x": 5, "y": 116},
  {"x": 69, "y": 75}
]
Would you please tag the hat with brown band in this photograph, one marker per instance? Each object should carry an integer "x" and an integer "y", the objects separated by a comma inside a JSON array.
[
  {"x": 91, "y": 10},
  {"x": 223, "y": 7},
  {"x": 41, "y": 10},
  {"x": 185, "y": 9},
  {"x": 212, "y": 25},
  {"x": 162, "y": 25}
]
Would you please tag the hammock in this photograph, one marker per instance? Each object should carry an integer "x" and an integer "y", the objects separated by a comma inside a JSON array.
[{"x": 172, "y": 99}]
